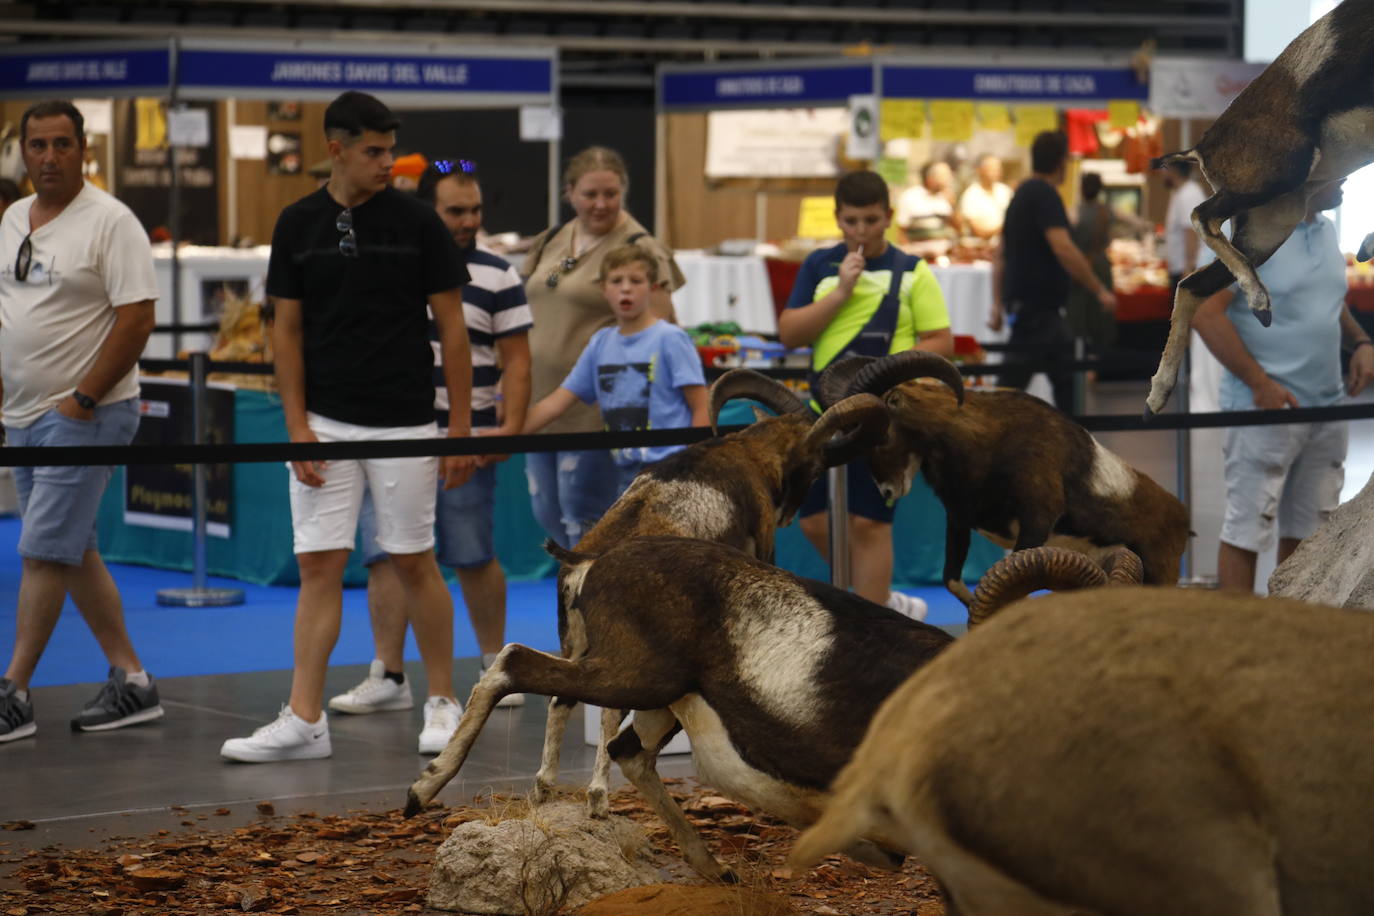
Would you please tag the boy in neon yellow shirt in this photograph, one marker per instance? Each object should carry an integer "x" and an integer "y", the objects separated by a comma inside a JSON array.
[{"x": 863, "y": 297}]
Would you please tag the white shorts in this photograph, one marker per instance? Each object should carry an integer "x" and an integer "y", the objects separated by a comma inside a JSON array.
[
  {"x": 1291, "y": 474},
  {"x": 403, "y": 491}
]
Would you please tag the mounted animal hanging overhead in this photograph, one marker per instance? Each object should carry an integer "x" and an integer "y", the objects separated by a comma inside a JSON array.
[{"x": 1307, "y": 120}]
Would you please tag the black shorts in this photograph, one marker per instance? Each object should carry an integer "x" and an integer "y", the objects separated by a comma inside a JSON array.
[{"x": 864, "y": 499}]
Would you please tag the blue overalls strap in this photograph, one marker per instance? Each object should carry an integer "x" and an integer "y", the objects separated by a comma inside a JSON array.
[{"x": 875, "y": 337}]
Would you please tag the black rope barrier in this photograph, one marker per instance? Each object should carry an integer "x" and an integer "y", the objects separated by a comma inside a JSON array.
[{"x": 252, "y": 452}]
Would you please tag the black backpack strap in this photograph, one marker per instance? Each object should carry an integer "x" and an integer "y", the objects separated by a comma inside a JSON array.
[{"x": 537, "y": 250}]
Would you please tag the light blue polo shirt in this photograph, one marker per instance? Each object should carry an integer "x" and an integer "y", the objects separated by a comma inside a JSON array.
[{"x": 1301, "y": 350}]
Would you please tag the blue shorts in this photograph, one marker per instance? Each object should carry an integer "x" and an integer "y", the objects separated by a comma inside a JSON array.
[
  {"x": 58, "y": 505},
  {"x": 464, "y": 523},
  {"x": 864, "y": 499}
]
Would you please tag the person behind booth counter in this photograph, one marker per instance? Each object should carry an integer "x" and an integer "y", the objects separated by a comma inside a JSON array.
[
  {"x": 1285, "y": 480},
  {"x": 926, "y": 211},
  {"x": 571, "y": 490},
  {"x": 77, "y": 289},
  {"x": 1031, "y": 271},
  {"x": 353, "y": 266},
  {"x": 644, "y": 373},
  {"x": 983, "y": 205},
  {"x": 498, "y": 323},
  {"x": 1091, "y": 232},
  {"x": 863, "y": 297}
]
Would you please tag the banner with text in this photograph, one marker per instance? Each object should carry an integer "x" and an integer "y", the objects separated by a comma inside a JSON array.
[
  {"x": 778, "y": 87},
  {"x": 1071, "y": 87},
  {"x": 92, "y": 70},
  {"x": 159, "y": 495}
]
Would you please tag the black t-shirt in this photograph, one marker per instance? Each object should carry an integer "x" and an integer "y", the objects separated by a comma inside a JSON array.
[
  {"x": 368, "y": 358},
  {"x": 1032, "y": 276}
]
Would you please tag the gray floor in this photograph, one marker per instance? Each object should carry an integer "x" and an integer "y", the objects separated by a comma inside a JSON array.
[{"x": 80, "y": 788}]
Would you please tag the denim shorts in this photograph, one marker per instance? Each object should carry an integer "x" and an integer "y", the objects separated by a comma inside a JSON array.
[
  {"x": 1282, "y": 480},
  {"x": 865, "y": 500},
  {"x": 58, "y": 505},
  {"x": 464, "y": 524}
]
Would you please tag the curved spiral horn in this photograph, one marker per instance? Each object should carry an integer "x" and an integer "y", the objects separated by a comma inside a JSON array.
[
  {"x": 1017, "y": 575},
  {"x": 834, "y": 383},
  {"x": 1124, "y": 567},
  {"x": 881, "y": 375},
  {"x": 746, "y": 383},
  {"x": 856, "y": 424}
]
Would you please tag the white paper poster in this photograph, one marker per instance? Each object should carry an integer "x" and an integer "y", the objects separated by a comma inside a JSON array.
[
  {"x": 1197, "y": 88},
  {"x": 248, "y": 141},
  {"x": 784, "y": 143},
  {"x": 188, "y": 127},
  {"x": 540, "y": 122},
  {"x": 98, "y": 115},
  {"x": 863, "y": 138}
]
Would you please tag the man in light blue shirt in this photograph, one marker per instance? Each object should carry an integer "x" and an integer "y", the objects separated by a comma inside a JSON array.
[{"x": 1289, "y": 474}]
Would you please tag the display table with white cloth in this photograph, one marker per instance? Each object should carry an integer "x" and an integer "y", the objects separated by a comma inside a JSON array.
[
  {"x": 722, "y": 288},
  {"x": 204, "y": 272}
]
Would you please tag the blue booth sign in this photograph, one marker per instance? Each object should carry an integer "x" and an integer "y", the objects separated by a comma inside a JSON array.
[
  {"x": 774, "y": 87},
  {"x": 1017, "y": 84},
  {"x": 208, "y": 72},
  {"x": 86, "y": 71}
]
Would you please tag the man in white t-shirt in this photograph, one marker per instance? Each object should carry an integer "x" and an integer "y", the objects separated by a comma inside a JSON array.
[
  {"x": 983, "y": 205},
  {"x": 76, "y": 306},
  {"x": 925, "y": 211},
  {"x": 1180, "y": 240}
]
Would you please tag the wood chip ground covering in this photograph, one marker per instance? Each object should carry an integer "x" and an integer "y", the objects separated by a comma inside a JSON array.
[{"x": 378, "y": 863}]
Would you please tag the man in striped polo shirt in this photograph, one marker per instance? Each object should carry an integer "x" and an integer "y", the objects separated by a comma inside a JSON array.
[{"x": 498, "y": 321}]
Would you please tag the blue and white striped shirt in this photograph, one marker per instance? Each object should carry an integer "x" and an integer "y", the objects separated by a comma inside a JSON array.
[{"x": 494, "y": 306}]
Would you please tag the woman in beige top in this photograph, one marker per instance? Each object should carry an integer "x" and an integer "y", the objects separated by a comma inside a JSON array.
[{"x": 569, "y": 491}]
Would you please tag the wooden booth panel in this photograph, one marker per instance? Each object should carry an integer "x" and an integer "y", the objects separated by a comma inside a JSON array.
[{"x": 261, "y": 195}]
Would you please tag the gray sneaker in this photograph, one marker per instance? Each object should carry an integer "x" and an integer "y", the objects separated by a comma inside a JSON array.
[
  {"x": 118, "y": 704},
  {"x": 16, "y": 715}
]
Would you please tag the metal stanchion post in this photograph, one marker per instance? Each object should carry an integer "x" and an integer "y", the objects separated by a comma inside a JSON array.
[
  {"x": 1183, "y": 451},
  {"x": 839, "y": 526},
  {"x": 198, "y": 595},
  {"x": 1080, "y": 383}
]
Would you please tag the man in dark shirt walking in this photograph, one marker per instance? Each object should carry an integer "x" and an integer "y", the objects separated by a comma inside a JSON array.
[
  {"x": 353, "y": 267},
  {"x": 1032, "y": 270}
]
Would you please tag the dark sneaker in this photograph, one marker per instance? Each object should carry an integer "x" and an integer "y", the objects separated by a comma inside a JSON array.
[
  {"x": 16, "y": 715},
  {"x": 118, "y": 704}
]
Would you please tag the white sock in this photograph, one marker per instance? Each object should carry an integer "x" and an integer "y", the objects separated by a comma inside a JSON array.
[
  {"x": 139, "y": 678},
  {"x": 489, "y": 659},
  {"x": 21, "y": 695}
]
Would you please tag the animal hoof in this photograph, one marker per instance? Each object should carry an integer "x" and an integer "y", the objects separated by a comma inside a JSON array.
[
  {"x": 1265, "y": 316},
  {"x": 413, "y": 804},
  {"x": 597, "y": 805},
  {"x": 541, "y": 792},
  {"x": 728, "y": 876},
  {"x": 1148, "y": 414}
]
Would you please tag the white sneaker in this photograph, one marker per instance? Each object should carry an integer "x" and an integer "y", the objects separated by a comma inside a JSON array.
[
  {"x": 907, "y": 605},
  {"x": 441, "y": 721},
  {"x": 377, "y": 693},
  {"x": 288, "y": 737},
  {"x": 507, "y": 701}
]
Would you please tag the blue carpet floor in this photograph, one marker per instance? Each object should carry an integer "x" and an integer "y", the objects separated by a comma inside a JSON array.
[{"x": 256, "y": 635}]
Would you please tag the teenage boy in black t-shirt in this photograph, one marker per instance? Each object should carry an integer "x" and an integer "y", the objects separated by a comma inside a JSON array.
[
  {"x": 1032, "y": 269},
  {"x": 353, "y": 267}
]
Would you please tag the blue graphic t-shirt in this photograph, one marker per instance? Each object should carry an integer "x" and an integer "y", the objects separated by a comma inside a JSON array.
[{"x": 635, "y": 380}]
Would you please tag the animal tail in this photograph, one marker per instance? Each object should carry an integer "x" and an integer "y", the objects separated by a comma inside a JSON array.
[
  {"x": 564, "y": 555},
  {"x": 1186, "y": 155},
  {"x": 845, "y": 821}
]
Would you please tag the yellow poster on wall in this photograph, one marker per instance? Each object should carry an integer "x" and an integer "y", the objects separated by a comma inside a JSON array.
[
  {"x": 901, "y": 118},
  {"x": 992, "y": 116},
  {"x": 150, "y": 122},
  {"x": 816, "y": 218},
  {"x": 1034, "y": 119},
  {"x": 952, "y": 120},
  {"x": 1123, "y": 114}
]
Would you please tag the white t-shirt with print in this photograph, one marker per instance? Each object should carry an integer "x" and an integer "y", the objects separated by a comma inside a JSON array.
[{"x": 89, "y": 260}]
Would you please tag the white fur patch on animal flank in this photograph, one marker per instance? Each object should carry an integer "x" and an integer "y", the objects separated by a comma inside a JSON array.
[
  {"x": 780, "y": 640},
  {"x": 719, "y": 765},
  {"x": 572, "y": 582},
  {"x": 1311, "y": 50},
  {"x": 696, "y": 509},
  {"x": 1111, "y": 477},
  {"x": 1347, "y": 144}
]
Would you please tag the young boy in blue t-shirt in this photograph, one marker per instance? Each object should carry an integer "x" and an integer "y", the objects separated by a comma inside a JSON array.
[{"x": 644, "y": 373}]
